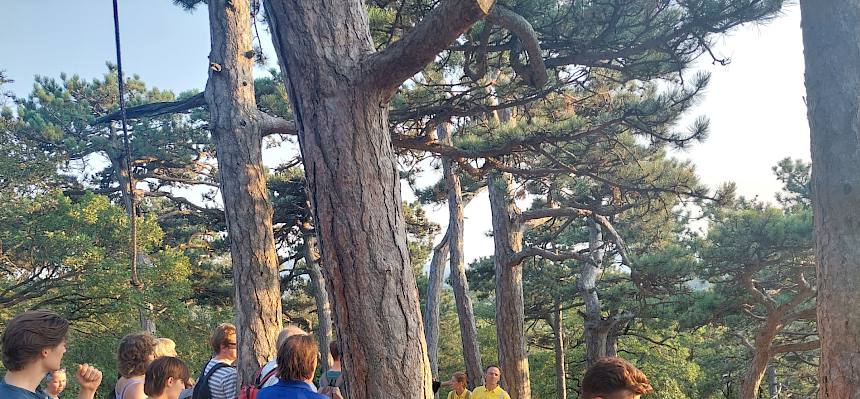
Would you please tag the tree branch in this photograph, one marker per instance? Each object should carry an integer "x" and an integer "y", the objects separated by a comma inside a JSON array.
[
  {"x": 389, "y": 68},
  {"x": 155, "y": 109},
  {"x": 535, "y": 75},
  {"x": 546, "y": 254},
  {"x": 799, "y": 347}
]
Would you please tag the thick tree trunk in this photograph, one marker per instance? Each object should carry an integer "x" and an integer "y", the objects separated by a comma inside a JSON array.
[
  {"x": 773, "y": 390},
  {"x": 459, "y": 283},
  {"x": 558, "y": 347},
  {"x": 510, "y": 334},
  {"x": 831, "y": 38},
  {"x": 596, "y": 327},
  {"x": 434, "y": 293},
  {"x": 355, "y": 189},
  {"x": 318, "y": 282},
  {"x": 236, "y": 131},
  {"x": 761, "y": 357}
]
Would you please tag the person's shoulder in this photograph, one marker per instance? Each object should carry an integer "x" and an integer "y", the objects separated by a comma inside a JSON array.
[{"x": 13, "y": 392}]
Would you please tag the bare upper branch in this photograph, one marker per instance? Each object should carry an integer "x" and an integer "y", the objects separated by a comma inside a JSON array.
[
  {"x": 535, "y": 75},
  {"x": 389, "y": 68}
]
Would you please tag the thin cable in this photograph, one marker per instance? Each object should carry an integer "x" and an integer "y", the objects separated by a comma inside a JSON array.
[{"x": 132, "y": 216}]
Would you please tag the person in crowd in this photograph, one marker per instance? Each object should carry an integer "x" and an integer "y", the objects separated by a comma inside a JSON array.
[
  {"x": 219, "y": 379},
  {"x": 614, "y": 378},
  {"x": 165, "y": 347},
  {"x": 268, "y": 373},
  {"x": 55, "y": 383},
  {"x": 459, "y": 387},
  {"x": 297, "y": 362},
  {"x": 33, "y": 345},
  {"x": 166, "y": 378},
  {"x": 491, "y": 388},
  {"x": 136, "y": 351},
  {"x": 335, "y": 377}
]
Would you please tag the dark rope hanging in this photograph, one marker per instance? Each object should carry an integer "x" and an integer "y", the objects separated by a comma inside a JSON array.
[{"x": 131, "y": 202}]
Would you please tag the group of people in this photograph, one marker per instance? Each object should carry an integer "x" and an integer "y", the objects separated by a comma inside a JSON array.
[{"x": 34, "y": 342}]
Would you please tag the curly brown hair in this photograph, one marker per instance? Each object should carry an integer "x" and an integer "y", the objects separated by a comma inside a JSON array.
[
  {"x": 136, "y": 351},
  {"x": 612, "y": 374}
]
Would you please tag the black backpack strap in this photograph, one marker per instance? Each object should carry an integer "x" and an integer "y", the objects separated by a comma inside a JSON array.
[{"x": 201, "y": 389}]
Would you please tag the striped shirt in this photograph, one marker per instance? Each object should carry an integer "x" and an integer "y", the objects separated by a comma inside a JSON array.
[{"x": 223, "y": 384}]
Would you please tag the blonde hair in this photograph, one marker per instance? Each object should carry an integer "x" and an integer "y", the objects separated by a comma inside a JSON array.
[{"x": 165, "y": 347}]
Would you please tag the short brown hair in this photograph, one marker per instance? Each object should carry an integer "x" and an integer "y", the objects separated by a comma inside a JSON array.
[
  {"x": 461, "y": 377},
  {"x": 136, "y": 351},
  {"x": 160, "y": 370},
  {"x": 612, "y": 374},
  {"x": 221, "y": 336},
  {"x": 297, "y": 358},
  {"x": 28, "y": 334},
  {"x": 334, "y": 350}
]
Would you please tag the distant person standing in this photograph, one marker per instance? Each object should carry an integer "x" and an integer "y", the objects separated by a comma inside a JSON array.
[
  {"x": 614, "y": 378},
  {"x": 268, "y": 373},
  {"x": 491, "y": 388},
  {"x": 297, "y": 362},
  {"x": 459, "y": 389},
  {"x": 136, "y": 351},
  {"x": 55, "y": 383},
  {"x": 219, "y": 378},
  {"x": 33, "y": 344},
  {"x": 334, "y": 381}
]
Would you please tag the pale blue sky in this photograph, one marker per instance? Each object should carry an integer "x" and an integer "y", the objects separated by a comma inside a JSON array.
[{"x": 755, "y": 104}]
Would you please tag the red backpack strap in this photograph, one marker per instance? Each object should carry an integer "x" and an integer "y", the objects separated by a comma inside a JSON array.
[{"x": 266, "y": 377}]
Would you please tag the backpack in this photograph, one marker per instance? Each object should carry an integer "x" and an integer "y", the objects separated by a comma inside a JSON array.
[
  {"x": 331, "y": 388},
  {"x": 201, "y": 389},
  {"x": 250, "y": 391}
]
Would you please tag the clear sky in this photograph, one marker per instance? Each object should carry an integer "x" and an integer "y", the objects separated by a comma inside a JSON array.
[{"x": 755, "y": 104}]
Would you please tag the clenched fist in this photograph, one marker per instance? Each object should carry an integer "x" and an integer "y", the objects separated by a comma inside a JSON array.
[{"x": 89, "y": 378}]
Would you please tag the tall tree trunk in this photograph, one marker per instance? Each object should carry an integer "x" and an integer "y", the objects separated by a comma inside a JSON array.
[
  {"x": 761, "y": 357},
  {"x": 355, "y": 189},
  {"x": 508, "y": 240},
  {"x": 558, "y": 347},
  {"x": 831, "y": 39},
  {"x": 126, "y": 182},
  {"x": 773, "y": 390},
  {"x": 459, "y": 283},
  {"x": 318, "y": 282},
  {"x": 434, "y": 293},
  {"x": 237, "y": 133},
  {"x": 596, "y": 327}
]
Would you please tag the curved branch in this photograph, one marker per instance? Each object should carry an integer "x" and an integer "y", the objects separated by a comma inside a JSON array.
[
  {"x": 389, "y": 68},
  {"x": 535, "y": 75}
]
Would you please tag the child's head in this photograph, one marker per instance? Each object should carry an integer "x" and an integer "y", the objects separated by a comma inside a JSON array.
[
  {"x": 166, "y": 375},
  {"x": 35, "y": 336},
  {"x": 614, "y": 378},
  {"x": 460, "y": 381}
]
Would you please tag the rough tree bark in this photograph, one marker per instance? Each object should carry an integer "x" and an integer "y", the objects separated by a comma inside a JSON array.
[
  {"x": 773, "y": 388},
  {"x": 558, "y": 346},
  {"x": 236, "y": 129},
  {"x": 126, "y": 181},
  {"x": 431, "y": 311},
  {"x": 339, "y": 89},
  {"x": 508, "y": 241},
  {"x": 318, "y": 282},
  {"x": 459, "y": 283},
  {"x": 596, "y": 327},
  {"x": 831, "y": 39}
]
